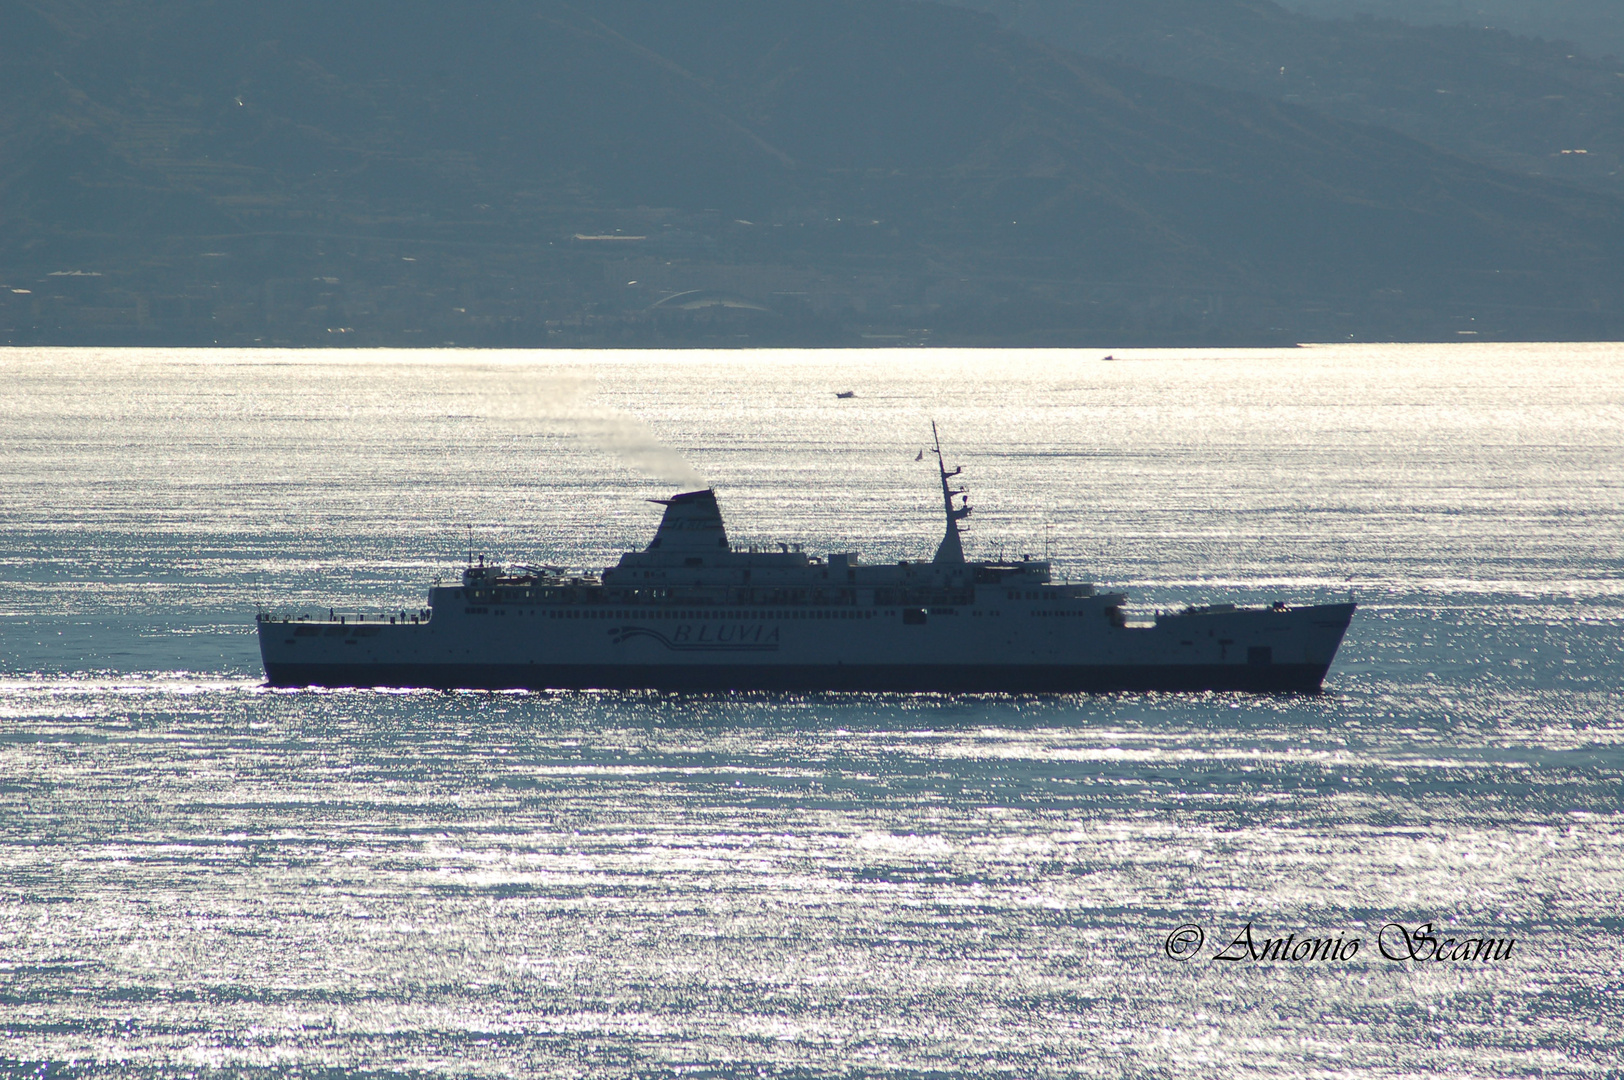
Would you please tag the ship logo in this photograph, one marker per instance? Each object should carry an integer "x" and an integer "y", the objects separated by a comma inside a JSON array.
[{"x": 705, "y": 637}]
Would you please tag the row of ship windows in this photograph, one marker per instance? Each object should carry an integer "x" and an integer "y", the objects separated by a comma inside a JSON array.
[
  {"x": 620, "y": 613},
  {"x": 882, "y": 598},
  {"x": 830, "y": 613}
]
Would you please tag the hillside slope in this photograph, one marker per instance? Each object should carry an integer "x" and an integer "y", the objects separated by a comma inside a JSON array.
[
  {"x": 502, "y": 171},
  {"x": 1536, "y": 107},
  {"x": 1595, "y": 26}
]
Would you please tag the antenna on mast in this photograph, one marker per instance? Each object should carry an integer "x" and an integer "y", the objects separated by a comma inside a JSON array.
[{"x": 951, "y": 549}]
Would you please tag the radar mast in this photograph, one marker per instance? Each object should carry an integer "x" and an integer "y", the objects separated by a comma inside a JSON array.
[{"x": 950, "y": 552}]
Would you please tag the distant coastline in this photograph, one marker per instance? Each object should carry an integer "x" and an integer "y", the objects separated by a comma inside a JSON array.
[{"x": 803, "y": 173}]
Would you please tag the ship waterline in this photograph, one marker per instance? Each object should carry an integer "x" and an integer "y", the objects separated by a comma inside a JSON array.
[
  {"x": 690, "y": 612},
  {"x": 893, "y": 678}
]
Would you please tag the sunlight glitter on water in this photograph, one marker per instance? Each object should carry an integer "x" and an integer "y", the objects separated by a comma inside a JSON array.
[{"x": 198, "y": 873}]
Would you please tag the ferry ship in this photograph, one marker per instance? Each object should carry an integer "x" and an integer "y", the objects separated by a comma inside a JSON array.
[{"x": 690, "y": 612}]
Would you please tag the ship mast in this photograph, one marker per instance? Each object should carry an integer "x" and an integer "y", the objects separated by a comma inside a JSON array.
[{"x": 950, "y": 551}]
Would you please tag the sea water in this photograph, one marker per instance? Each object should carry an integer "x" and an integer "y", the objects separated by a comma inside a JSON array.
[{"x": 200, "y": 876}]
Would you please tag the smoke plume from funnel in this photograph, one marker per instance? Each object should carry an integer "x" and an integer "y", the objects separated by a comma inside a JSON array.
[
  {"x": 628, "y": 439},
  {"x": 527, "y": 400}
]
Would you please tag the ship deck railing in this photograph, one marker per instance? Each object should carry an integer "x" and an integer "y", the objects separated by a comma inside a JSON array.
[
  {"x": 334, "y": 616},
  {"x": 723, "y": 596}
]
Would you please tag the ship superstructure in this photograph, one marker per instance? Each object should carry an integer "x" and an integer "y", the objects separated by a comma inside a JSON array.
[{"x": 692, "y": 612}]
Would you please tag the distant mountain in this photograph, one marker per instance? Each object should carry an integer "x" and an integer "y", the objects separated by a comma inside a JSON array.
[
  {"x": 723, "y": 171},
  {"x": 1542, "y": 108},
  {"x": 1596, "y": 26}
]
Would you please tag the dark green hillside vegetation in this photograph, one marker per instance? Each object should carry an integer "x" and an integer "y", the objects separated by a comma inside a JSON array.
[{"x": 807, "y": 171}]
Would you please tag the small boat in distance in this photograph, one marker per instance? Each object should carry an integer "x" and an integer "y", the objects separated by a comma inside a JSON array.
[
  {"x": 845, "y": 393},
  {"x": 692, "y": 612}
]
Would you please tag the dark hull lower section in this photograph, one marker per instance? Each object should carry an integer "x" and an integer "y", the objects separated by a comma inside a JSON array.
[{"x": 909, "y": 678}]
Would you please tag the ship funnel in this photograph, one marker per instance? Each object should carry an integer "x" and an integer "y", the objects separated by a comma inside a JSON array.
[{"x": 692, "y": 525}]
